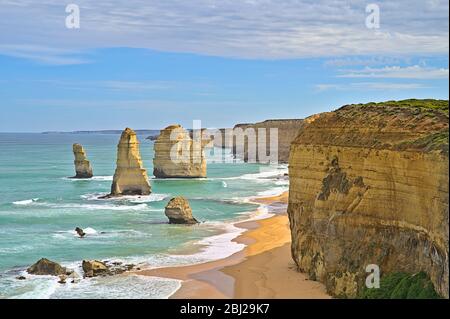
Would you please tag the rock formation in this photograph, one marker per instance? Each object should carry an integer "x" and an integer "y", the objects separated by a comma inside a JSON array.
[
  {"x": 93, "y": 268},
  {"x": 178, "y": 155},
  {"x": 130, "y": 177},
  {"x": 46, "y": 267},
  {"x": 369, "y": 185},
  {"x": 80, "y": 232},
  {"x": 287, "y": 131},
  {"x": 82, "y": 166},
  {"x": 179, "y": 211}
]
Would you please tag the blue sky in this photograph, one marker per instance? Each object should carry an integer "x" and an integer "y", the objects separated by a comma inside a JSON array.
[{"x": 148, "y": 64}]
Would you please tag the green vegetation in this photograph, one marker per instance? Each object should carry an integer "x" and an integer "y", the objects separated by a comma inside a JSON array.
[
  {"x": 400, "y": 285},
  {"x": 436, "y": 141},
  {"x": 425, "y": 105}
]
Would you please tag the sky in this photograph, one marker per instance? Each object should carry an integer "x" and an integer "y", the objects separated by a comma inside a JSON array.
[{"x": 149, "y": 64}]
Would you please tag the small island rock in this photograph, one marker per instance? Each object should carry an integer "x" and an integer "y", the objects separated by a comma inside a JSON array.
[
  {"x": 93, "y": 268},
  {"x": 179, "y": 211},
  {"x": 46, "y": 267}
]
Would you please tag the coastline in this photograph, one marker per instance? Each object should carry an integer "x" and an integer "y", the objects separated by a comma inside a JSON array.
[{"x": 263, "y": 269}]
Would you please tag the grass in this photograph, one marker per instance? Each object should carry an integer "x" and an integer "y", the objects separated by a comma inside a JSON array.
[
  {"x": 428, "y": 106},
  {"x": 436, "y": 141},
  {"x": 400, "y": 285}
]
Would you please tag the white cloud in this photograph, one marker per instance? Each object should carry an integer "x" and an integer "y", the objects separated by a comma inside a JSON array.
[
  {"x": 230, "y": 28},
  {"x": 376, "y": 86},
  {"x": 43, "y": 54},
  {"x": 408, "y": 72}
]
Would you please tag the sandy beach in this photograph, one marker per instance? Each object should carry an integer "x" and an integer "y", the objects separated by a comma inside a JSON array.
[{"x": 264, "y": 269}]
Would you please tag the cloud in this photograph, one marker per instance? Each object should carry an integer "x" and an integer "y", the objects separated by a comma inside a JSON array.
[
  {"x": 266, "y": 29},
  {"x": 43, "y": 54},
  {"x": 112, "y": 85},
  {"x": 376, "y": 86},
  {"x": 408, "y": 72}
]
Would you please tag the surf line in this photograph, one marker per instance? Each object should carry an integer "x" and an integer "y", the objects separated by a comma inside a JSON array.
[{"x": 191, "y": 309}]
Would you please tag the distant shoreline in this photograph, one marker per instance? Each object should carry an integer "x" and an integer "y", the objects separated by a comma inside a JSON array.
[{"x": 149, "y": 132}]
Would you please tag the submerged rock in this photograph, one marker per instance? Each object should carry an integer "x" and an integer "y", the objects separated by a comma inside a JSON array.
[
  {"x": 80, "y": 232},
  {"x": 83, "y": 167},
  {"x": 179, "y": 211},
  {"x": 46, "y": 267},
  {"x": 178, "y": 155},
  {"x": 130, "y": 177}
]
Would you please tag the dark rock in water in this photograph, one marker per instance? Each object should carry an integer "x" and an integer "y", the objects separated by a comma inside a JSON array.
[
  {"x": 179, "y": 211},
  {"x": 21, "y": 278},
  {"x": 47, "y": 267},
  {"x": 80, "y": 232},
  {"x": 93, "y": 268}
]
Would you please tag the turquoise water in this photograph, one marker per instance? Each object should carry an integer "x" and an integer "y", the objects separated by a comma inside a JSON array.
[{"x": 40, "y": 207}]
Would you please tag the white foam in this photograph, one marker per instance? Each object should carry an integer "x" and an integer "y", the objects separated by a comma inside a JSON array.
[
  {"x": 119, "y": 287},
  {"x": 224, "y": 184},
  {"x": 94, "y": 178},
  {"x": 102, "y": 178},
  {"x": 145, "y": 198},
  {"x": 139, "y": 207},
  {"x": 26, "y": 202},
  {"x": 276, "y": 191},
  {"x": 265, "y": 174},
  {"x": 91, "y": 232},
  {"x": 284, "y": 182},
  {"x": 132, "y": 199}
]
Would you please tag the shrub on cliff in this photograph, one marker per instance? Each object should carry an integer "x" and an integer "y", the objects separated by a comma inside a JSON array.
[{"x": 401, "y": 285}]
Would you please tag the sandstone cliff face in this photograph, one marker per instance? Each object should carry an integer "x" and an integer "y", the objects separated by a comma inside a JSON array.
[
  {"x": 369, "y": 185},
  {"x": 177, "y": 155},
  {"x": 287, "y": 132},
  {"x": 130, "y": 177},
  {"x": 82, "y": 166}
]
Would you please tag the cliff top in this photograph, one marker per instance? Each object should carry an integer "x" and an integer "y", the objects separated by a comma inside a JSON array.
[
  {"x": 400, "y": 125},
  {"x": 428, "y": 107}
]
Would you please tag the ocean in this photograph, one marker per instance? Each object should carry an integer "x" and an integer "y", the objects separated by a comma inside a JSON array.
[{"x": 40, "y": 206}]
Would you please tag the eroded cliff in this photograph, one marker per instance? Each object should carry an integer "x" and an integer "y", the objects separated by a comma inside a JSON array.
[
  {"x": 369, "y": 185},
  {"x": 178, "y": 155},
  {"x": 286, "y": 132}
]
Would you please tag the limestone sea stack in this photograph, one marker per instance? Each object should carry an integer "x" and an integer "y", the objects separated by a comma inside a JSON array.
[
  {"x": 369, "y": 186},
  {"x": 177, "y": 155},
  {"x": 179, "y": 211},
  {"x": 130, "y": 177},
  {"x": 83, "y": 167}
]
